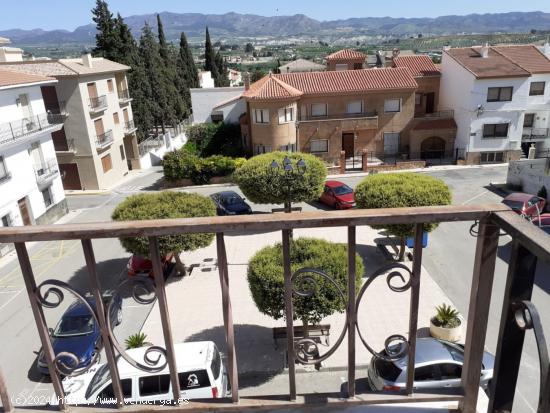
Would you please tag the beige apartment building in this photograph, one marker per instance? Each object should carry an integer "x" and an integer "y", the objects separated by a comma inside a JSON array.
[
  {"x": 97, "y": 145},
  {"x": 387, "y": 112}
]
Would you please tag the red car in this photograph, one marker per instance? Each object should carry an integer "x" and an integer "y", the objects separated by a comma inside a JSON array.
[
  {"x": 525, "y": 204},
  {"x": 338, "y": 195},
  {"x": 139, "y": 266},
  {"x": 543, "y": 222}
]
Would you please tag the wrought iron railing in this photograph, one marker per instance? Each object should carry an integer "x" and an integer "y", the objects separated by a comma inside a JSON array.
[
  {"x": 104, "y": 139},
  {"x": 490, "y": 222},
  {"x": 98, "y": 103},
  {"x": 340, "y": 116},
  {"x": 442, "y": 114},
  {"x": 46, "y": 171},
  {"x": 129, "y": 126},
  {"x": 535, "y": 133},
  {"x": 11, "y": 131},
  {"x": 124, "y": 94}
]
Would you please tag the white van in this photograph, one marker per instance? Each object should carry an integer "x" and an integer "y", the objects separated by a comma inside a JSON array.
[{"x": 201, "y": 375}]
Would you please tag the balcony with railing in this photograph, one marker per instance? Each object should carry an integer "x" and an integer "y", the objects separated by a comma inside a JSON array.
[
  {"x": 124, "y": 96},
  {"x": 519, "y": 316},
  {"x": 104, "y": 140},
  {"x": 46, "y": 171},
  {"x": 17, "y": 129},
  {"x": 97, "y": 104},
  {"x": 129, "y": 127},
  {"x": 56, "y": 108},
  {"x": 348, "y": 121},
  {"x": 535, "y": 134},
  {"x": 443, "y": 114}
]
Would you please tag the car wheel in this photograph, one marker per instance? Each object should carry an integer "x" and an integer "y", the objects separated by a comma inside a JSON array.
[{"x": 119, "y": 316}]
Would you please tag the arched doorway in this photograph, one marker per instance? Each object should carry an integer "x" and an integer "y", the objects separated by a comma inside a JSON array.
[{"x": 432, "y": 148}]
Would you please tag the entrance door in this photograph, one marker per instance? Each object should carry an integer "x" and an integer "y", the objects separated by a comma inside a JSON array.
[
  {"x": 432, "y": 148},
  {"x": 430, "y": 102},
  {"x": 69, "y": 176},
  {"x": 348, "y": 144},
  {"x": 391, "y": 143},
  {"x": 25, "y": 211}
]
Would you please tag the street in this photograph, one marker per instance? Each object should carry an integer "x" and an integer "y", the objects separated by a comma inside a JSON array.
[{"x": 448, "y": 258}]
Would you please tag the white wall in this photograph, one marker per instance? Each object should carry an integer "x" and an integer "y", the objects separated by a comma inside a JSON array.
[
  {"x": 204, "y": 101},
  {"x": 10, "y": 111},
  {"x": 530, "y": 174}
]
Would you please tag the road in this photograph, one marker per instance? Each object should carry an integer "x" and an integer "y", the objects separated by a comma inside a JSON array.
[{"x": 448, "y": 258}]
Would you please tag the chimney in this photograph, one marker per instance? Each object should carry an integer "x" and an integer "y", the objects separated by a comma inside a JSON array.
[
  {"x": 246, "y": 80},
  {"x": 546, "y": 49},
  {"x": 485, "y": 51},
  {"x": 87, "y": 60}
]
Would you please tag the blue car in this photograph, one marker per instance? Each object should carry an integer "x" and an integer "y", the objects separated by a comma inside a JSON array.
[
  {"x": 230, "y": 203},
  {"x": 78, "y": 333}
]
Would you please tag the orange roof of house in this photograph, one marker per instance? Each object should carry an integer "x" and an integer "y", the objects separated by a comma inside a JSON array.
[
  {"x": 495, "y": 65},
  {"x": 10, "y": 78},
  {"x": 420, "y": 65},
  {"x": 436, "y": 124},
  {"x": 529, "y": 57},
  {"x": 346, "y": 54},
  {"x": 269, "y": 87}
]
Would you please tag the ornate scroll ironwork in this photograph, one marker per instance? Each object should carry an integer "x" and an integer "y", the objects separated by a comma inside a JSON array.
[
  {"x": 304, "y": 284},
  {"x": 396, "y": 346},
  {"x": 527, "y": 318}
]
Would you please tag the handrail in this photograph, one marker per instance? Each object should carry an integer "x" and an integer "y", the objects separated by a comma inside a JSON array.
[
  {"x": 98, "y": 102},
  {"x": 11, "y": 131},
  {"x": 129, "y": 126},
  {"x": 442, "y": 114},
  {"x": 46, "y": 169},
  {"x": 124, "y": 94},
  {"x": 104, "y": 139}
]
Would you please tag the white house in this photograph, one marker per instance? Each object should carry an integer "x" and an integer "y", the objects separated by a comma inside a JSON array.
[
  {"x": 205, "y": 80},
  {"x": 220, "y": 104},
  {"x": 500, "y": 100},
  {"x": 31, "y": 191}
]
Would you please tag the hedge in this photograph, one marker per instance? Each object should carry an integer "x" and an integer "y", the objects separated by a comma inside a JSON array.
[
  {"x": 261, "y": 186},
  {"x": 163, "y": 205},
  {"x": 266, "y": 279},
  {"x": 397, "y": 190}
]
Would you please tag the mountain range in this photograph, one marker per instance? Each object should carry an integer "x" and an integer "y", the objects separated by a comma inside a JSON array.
[{"x": 234, "y": 25}]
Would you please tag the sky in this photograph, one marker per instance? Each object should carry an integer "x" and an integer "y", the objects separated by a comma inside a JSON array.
[{"x": 69, "y": 14}]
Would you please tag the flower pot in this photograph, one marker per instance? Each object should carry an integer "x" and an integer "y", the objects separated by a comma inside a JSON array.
[{"x": 448, "y": 334}]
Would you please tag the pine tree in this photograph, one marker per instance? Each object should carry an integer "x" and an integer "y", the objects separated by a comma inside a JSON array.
[
  {"x": 107, "y": 41},
  {"x": 210, "y": 58}
]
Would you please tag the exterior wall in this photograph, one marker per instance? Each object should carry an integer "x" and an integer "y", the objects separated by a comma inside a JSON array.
[
  {"x": 540, "y": 106},
  {"x": 203, "y": 102},
  {"x": 331, "y": 64},
  {"x": 418, "y": 136},
  {"x": 429, "y": 84},
  {"x": 11, "y": 112},
  {"x": 272, "y": 135},
  {"x": 530, "y": 174}
]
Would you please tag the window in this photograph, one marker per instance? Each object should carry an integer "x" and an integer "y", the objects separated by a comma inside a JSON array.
[
  {"x": 286, "y": 115},
  {"x": 495, "y": 130},
  {"x": 261, "y": 116},
  {"x": 6, "y": 221},
  {"x": 259, "y": 149},
  {"x": 47, "y": 195},
  {"x": 318, "y": 146},
  {"x": 450, "y": 371},
  {"x": 4, "y": 174},
  {"x": 153, "y": 385},
  {"x": 537, "y": 88},
  {"x": 499, "y": 94},
  {"x": 386, "y": 369},
  {"x": 194, "y": 379},
  {"x": 342, "y": 66},
  {"x": 417, "y": 99},
  {"x": 122, "y": 155},
  {"x": 492, "y": 157},
  {"x": 216, "y": 365},
  {"x": 392, "y": 105},
  {"x": 288, "y": 148},
  {"x": 426, "y": 373},
  {"x": 528, "y": 120},
  {"x": 355, "y": 107},
  {"x": 107, "y": 163},
  {"x": 110, "y": 86},
  {"x": 318, "y": 109},
  {"x": 116, "y": 118},
  {"x": 108, "y": 392}
]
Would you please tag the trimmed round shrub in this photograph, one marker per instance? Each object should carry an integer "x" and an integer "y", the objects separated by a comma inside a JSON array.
[
  {"x": 182, "y": 164},
  {"x": 266, "y": 279},
  {"x": 261, "y": 186},
  {"x": 160, "y": 206},
  {"x": 397, "y": 190}
]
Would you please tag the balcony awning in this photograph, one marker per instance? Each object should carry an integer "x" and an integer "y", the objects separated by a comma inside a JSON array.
[{"x": 436, "y": 124}]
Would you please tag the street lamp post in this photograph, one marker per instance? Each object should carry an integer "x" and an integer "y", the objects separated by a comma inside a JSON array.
[{"x": 287, "y": 172}]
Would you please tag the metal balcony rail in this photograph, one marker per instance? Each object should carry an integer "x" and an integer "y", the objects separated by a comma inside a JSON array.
[
  {"x": 124, "y": 94},
  {"x": 150, "y": 144},
  {"x": 46, "y": 171},
  {"x": 11, "y": 131},
  {"x": 98, "y": 103},
  {"x": 443, "y": 114},
  {"x": 518, "y": 314},
  {"x": 104, "y": 140},
  {"x": 535, "y": 133},
  {"x": 129, "y": 126},
  {"x": 339, "y": 116}
]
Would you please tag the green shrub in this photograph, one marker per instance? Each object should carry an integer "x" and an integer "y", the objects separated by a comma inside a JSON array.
[
  {"x": 397, "y": 190},
  {"x": 163, "y": 205},
  {"x": 239, "y": 162},
  {"x": 185, "y": 165},
  {"x": 135, "y": 341},
  {"x": 262, "y": 187},
  {"x": 446, "y": 316},
  {"x": 216, "y": 139},
  {"x": 266, "y": 279}
]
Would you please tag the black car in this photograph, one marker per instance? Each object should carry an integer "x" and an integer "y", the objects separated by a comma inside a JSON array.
[{"x": 230, "y": 203}]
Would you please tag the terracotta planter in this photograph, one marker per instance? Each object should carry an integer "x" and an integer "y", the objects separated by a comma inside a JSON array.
[{"x": 448, "y": 334}]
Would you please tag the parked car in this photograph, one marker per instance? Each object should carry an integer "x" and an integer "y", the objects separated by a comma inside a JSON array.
[
  {"x": 201, "y": 374},
  {"x": 525, "y": 204},
  {"x": 230, "y": 203},
  {"x": 139, "y": 266},
  {"x": 438, "y": 365},
  {"x": 338, "y": 195},
  {"x": 78, "y": 333},
  {"x": 543, "y": 222}
]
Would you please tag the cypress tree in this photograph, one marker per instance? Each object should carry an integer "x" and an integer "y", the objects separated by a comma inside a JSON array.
[
  {"x": 223, "y": 79},
  {"x": 186, "y": 64},
  {"x": 163, "y": 46},
  {"x": 107, "y": 41},
  {"x": 210, "y": 58}
]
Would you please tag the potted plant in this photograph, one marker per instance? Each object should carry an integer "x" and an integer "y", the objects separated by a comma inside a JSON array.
[{"x": 446, "y": 324}]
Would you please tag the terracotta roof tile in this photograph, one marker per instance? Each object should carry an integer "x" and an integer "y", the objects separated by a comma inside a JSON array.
[
  {"x": 529, "y": 57},
  {"x": 346, "y": 54},
  {"x": 420, "y": 65},
  {"x": 494, "y": 66},
  {"x": 436, "y": 124},
  {"x": 271, "y": 88},
  {"x": 11, "y": 78}
]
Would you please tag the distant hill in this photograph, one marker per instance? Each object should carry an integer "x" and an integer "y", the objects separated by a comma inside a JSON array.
[{"x": 234, "y": 25}]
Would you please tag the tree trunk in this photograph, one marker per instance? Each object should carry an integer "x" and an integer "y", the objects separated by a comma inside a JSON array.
[
  {"x": 180, "y": 267},
  {"x": 402, "y": 246},
  {"x": 305, "y": 328}
]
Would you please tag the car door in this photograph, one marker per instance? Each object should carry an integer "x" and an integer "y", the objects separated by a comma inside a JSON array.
[
  {"x": 450, "y": 374},
  {"x": 427, "y": 376},
  {"x": 326, "y": 196}
]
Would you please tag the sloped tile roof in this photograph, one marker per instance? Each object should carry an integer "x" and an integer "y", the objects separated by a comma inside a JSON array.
[
  {"x": 420, "y": 65},
  {"x": 11, "y": 78},
  {"x": 271, "y": 88},
  {"x": 99, "y": 65},
  {"x": 529, "y": 57},
  {"x": 39, "y": 67},
  {"x": 346, "y": 54},
  {"x": 436, "y": 124},
  {"x": 494, "y": 66}
]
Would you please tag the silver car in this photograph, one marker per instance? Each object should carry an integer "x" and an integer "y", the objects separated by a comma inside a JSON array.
[{"x": 438, "y": 364}]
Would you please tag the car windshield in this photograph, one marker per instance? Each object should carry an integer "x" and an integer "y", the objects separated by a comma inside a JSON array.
[
  {"x": 100, "y": 378},
  {"x": 74, "y": 326},
  {"x": 516, "y": 205},
  {"x": 456, "y": 353},
  {"x": 232, "y": 200},
  {"x": 342, "y": 190}
]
